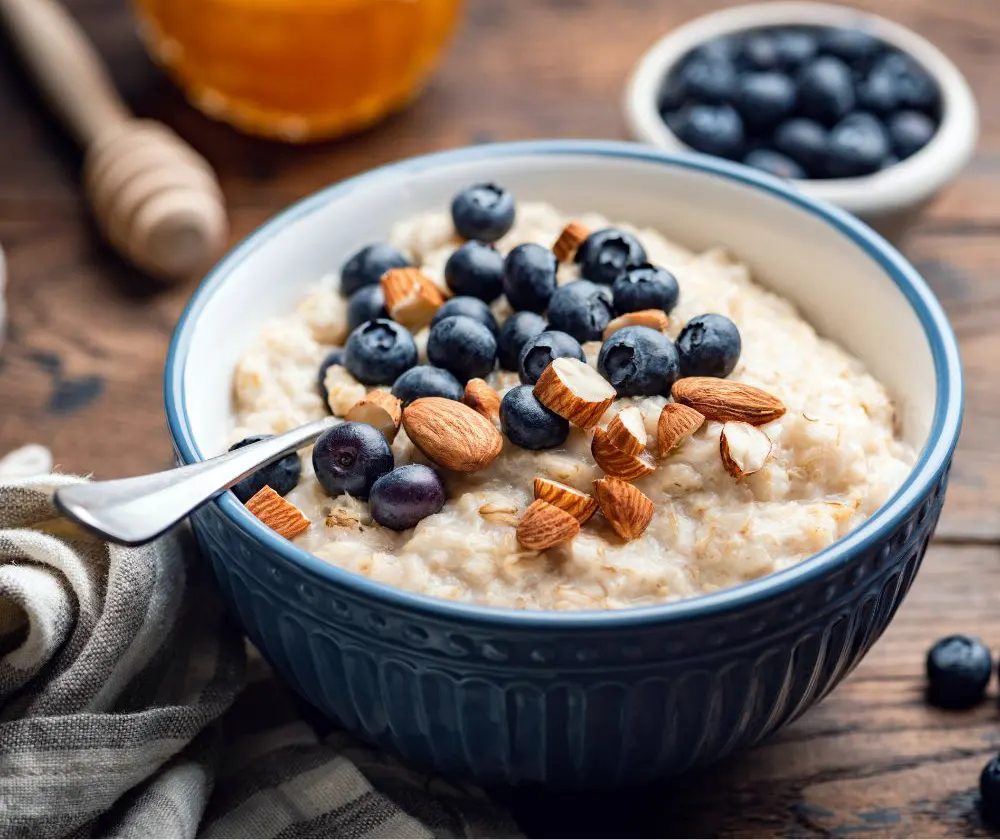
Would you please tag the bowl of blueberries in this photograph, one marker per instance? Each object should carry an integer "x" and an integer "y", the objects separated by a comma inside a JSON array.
[{"x": 853, "y": 108}]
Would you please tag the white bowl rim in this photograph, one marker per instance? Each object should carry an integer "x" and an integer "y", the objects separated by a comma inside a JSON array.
[
  {"x": 908, "y": 183},
  {"x": 927, "y": 472}
]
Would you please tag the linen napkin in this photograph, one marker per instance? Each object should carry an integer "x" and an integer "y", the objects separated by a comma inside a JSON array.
[{"x": 131, "y": 705}]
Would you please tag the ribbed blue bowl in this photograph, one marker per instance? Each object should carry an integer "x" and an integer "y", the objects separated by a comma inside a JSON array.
[{"x": 582, "y": 698}]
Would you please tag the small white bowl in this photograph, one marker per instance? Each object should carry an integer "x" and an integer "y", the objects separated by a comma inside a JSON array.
[{"x": 888, "y": 200}]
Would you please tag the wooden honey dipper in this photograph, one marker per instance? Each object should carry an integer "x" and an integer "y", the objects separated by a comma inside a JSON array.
[{"x": 156, "y": 200}]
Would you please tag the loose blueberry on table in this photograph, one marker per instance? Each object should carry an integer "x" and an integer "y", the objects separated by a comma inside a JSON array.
[{"x": 958, "y": 671}]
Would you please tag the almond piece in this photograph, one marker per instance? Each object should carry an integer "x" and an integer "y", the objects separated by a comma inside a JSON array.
[
  {"x": 617, "y": 463},
  {"x": 627, "y": 430},
  {"x": 279, "y": 515},
  {"x": 677, "y": 422},
  {"x": 481, "y": 398},
  {"x": 575, "y": 391},
  {"x": 545, "y": 526},
  {"x": 627, "y": 509},
  {"x": 744, "y": 448},
  {"x": 578, "y": 505},
  {"x": 411, "y": 298},
  {"x": 569, "y": 240},
  {"x": 379, "y": 409},
  {"x": 725, "y": 401},
  {"x": 655, "y": 319},
  {"x": 451, "y": 434}
]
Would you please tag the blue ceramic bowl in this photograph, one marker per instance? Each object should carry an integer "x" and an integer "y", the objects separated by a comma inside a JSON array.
[{"x": 585, "y": 698}]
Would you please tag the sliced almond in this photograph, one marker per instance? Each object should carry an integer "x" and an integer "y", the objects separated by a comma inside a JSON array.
[
  {"x": 569, "y": 240},
  {"x": 627, "y": 509},
  {"x": 655, "y": 319},
  {"x": 578, "y": 505},
  {"x": 451, "y": 434},
  {"x": 379, "y": 409},
  {"x": 545, "y": 526},
  {"x": 280, "y": 515},
  {"x": 627, "y": 430},
  {"x": 617, "y": 463},
  {"x": 481, "y": 398},
  {"x": 411, "y": 298},
  {"x": 677, "y": 423},
  {"x": 744, "y": 448},
  {"x": 575, "y": 391},
  {"x": 725, "y": 401}
]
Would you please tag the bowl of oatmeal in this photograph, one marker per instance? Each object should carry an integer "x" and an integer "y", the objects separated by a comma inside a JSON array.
[{"x": 639, "y": 453}]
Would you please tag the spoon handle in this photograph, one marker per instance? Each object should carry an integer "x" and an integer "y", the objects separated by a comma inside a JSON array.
[{"x": 133, "y": 511}]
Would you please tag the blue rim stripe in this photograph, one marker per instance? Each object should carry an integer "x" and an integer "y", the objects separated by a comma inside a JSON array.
[{"x": 931, "y": 462}]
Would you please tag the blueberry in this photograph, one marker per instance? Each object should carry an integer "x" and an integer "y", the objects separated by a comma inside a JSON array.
[
  {"x": 765, "y": 99},
  {"x": 529, "y": 424},
  {"x": 483, "y": 211},
  {"x": 709, "y": 345},
  {"x": 516, "y": 331},
  {"x": 366, "y": 267},
  {"x": 915, "y": 87},
  {"x": 909, "y": 132},
  {"x": 774, "y": 163},
  {"x": 529, "y": 277},
  {"x": 804, "y": 141},
  {"x": 671, "y": 93},
  {"x": 760, "y": 51},
  {"x": 350, "y": 458},
  {"x": 334, "y": 357},
  {"x": 721, "y": 47},
  {"x": 538, "y": 353},
  {"x": 887, "y": 161},
  {"x": 856, "y": 146},
  {"x": 401, "y": 498},
  {"x": 426, "y": 381},
  {"x": 645, "y": 287},
  {"x": 878, "y": 93},
  {"x": 706, "y": 79},
  {"x": 476, "y": 270},
  {"x": 826, "y": 90},
  {"x": 795, "y": 47},
  {"x": 470, "y": 307},
  {"x": 582, "y": 309},
  {"x": 281, "y": 475},
  {"x": 639, "y": 361},
  {"x": 608, "y": 253},
  {"x": 379, "y": 351},
  {"x": 989, "y": 792},
  {"x": 958, "y": 670},
  {"x": 366, "y": 304},
  {"x": 851, "y": 45},
  {"x": 714, "y": 130},
  {"x": 463, "y": 347}
]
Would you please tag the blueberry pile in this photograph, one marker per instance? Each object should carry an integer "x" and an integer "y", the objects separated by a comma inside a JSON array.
[{"x": 802, "y": 102}]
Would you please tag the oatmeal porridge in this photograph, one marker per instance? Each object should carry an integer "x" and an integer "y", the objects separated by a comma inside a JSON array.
[{"x": 703, "y": 499}]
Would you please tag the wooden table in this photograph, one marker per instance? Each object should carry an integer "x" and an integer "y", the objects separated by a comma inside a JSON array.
[{"x": 81, "y": 373}]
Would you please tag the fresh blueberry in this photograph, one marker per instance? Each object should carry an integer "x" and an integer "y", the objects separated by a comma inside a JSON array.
[
  {"x": 856, "y": 146},
  {"x": 470, "y": 307},
  {"x": 426, "y": 381},
  {"x": 538, "y": 353},
  {"x": 909, "y": 132},
  {"x": 529, "y": 424},
  {"x": 645, "y": 287},
  {"x": 516, "y": 331},
  {"x": 334, "y": 357},
  {"x": 887, "y": 161},
  {"x": 709, "y": 345},
  {"x": 476, "y": 270},
  {"x": 379, "y": 351},
  {"x": 826, "y": 90},
  {"x": 915, "y": 87},
  {"x": 463, "y": 347},
  {"x": 366, "y": 304},
  {"x": 725, "y": 47},
  {"x": 350, "y": 458},
  {"x": 607, "y": 253},
  {"x": 582, "y": 309},
  {"x": 483, "y": 211},
  {"x": 281, "y": 475},
  {"x": 529, "y": 277},
  {"x": 854, "y": 46},
  {"x": 989, "y": 792},
  {"x": 760, "y": 51},
  {"x": 366, "y": 267},
  {"x": 712, "y": 129},
  {"x": 958, "y": 670},
  {"x": 878, "y": 93},
  {"x": 795, "y": 47},
  {"x": 671, "y": 93},
  {"x": 804, "y": 141},
  {"x": 711, "y": 80},
  {"x": 401, "y": 498},
  {"x": 639, "y": 361},
  {"x": 765, "y": 99},
  {"x": 774, "y": 163}
]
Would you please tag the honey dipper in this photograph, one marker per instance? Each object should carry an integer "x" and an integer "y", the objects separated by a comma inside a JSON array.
[{"x": 156, "y": 200}]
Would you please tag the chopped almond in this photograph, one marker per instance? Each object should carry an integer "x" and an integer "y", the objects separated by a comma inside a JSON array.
[
  {"x": 280, "y": 515},
  {"x": 627, "y": 509},
  {"x": 411, "y": 298},
  {"x": 677, "y": 423},
  {"x": 744, "y": 449},
  {"x": 627, "y": 430},
  {"x": 578, "y": 505},
  {"x": 571, "y": 238},
  {"x": 379, "y": 409},
  {"x": 545, "y": 526},
  {"x": 480, "y": 397},
  {"x": 575, "y": 391},
  {"x": 655, "y": 319},
  {"x": 617, "y": 463}
]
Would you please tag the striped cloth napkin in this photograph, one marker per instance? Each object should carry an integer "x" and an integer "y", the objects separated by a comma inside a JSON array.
[{"x": 131, "y": 706}]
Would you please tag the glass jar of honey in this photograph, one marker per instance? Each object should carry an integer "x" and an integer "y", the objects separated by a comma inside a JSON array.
[{"x": 298, "y": 70}]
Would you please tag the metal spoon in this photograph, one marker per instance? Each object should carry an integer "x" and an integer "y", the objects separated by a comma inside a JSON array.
[{"x": 133, "y": 511}]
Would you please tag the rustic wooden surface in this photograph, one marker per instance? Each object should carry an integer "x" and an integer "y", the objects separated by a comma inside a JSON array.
[{"x": 81, "y": 368}]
